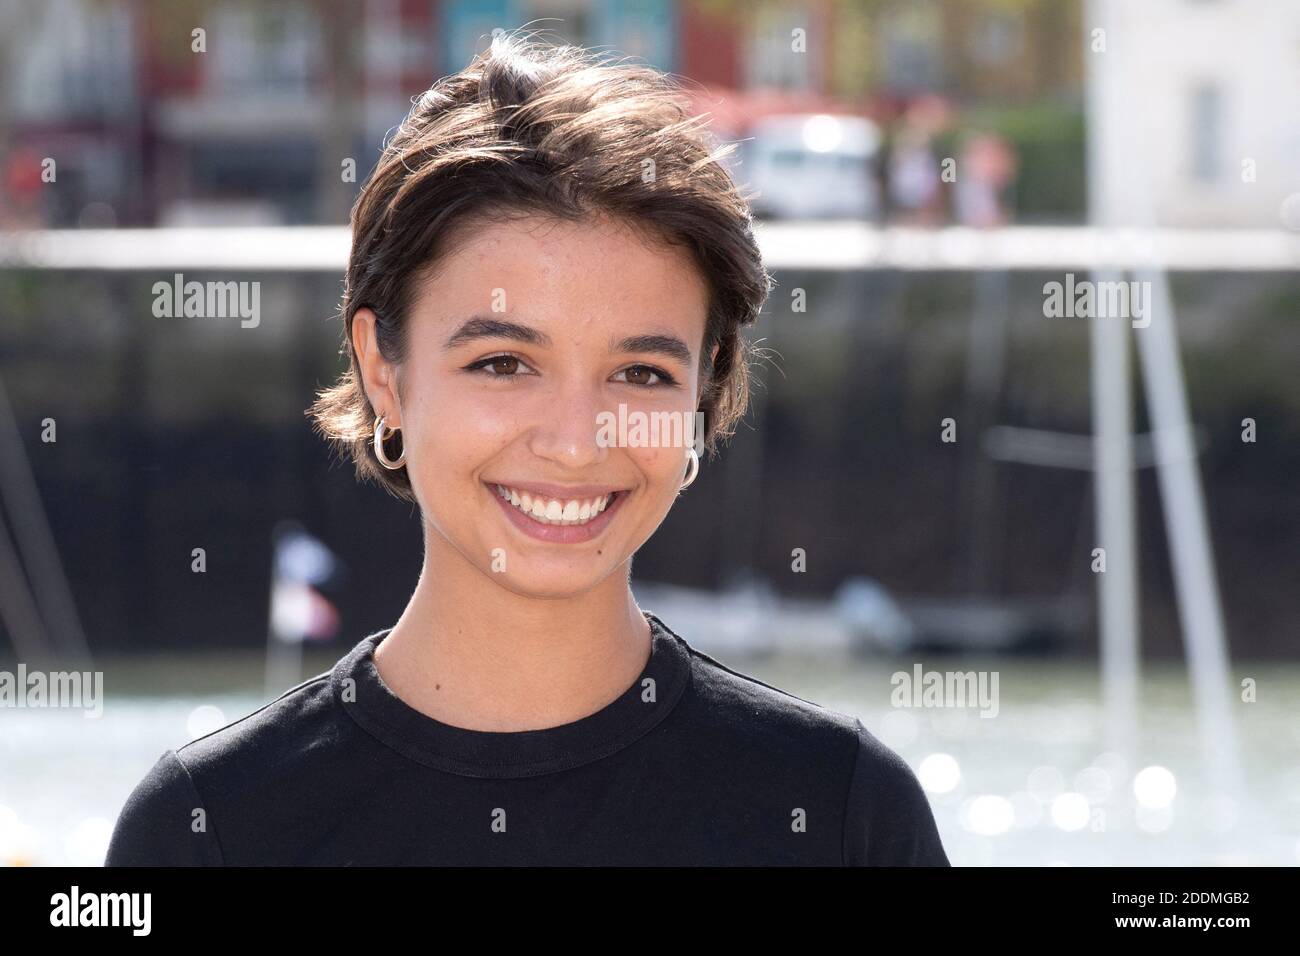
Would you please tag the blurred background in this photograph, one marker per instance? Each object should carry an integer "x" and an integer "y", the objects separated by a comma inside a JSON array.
[{"x": 932, "y": 458}]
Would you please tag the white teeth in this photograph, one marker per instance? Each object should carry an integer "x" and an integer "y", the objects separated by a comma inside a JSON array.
[{"x": 552, "y": 510}]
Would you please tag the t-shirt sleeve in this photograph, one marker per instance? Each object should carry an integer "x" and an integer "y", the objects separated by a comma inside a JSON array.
[
  {"x": 160, "y": 824},
  {"x": 889, "y": 821}
]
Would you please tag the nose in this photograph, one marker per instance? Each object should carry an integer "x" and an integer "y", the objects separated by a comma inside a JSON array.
[{"x": 567, "y": 433}]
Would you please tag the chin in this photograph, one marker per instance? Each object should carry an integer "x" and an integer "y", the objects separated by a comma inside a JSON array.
[{"x": 543, "y": 585}]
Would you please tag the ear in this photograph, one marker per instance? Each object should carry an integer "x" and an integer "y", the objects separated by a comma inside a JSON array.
[{"x": 378, "y": 377}]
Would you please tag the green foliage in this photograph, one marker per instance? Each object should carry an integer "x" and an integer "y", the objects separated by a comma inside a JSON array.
[{"x": 1051, "y": 147}]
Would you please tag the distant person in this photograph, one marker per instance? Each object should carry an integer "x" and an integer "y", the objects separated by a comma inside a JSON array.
[
  {"x": 541, "y": 243},
  {"x": 987, "y": 165},
  {"x": 913, "y": 179},
  {"x": 20, "y": 201},
  {"x": 914, "y": 171}
]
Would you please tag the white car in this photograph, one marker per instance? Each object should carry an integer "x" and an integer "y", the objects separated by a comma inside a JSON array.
[{"x": 812, "y": 166}]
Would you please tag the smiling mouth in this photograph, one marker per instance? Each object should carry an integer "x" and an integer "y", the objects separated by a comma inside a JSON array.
[{"x": 561, "y": 512}]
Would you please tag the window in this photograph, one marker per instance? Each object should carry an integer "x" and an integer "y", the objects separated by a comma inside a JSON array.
[{"x": 1206, "y": 133}]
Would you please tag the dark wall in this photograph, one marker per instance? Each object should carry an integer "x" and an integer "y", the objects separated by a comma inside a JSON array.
[{"x": 182, "y": 433}]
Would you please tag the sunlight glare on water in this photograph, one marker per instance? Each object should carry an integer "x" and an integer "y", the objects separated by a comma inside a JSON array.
[{"x": 1032, "y": 786}]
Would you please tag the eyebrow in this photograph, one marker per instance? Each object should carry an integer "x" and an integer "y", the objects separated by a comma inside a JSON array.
[
  {"x": 480, "y": 327},
  {"x": 667, "y": 345}
]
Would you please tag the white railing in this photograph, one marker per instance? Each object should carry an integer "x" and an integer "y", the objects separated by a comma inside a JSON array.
[{"x": 786, "y": 245}]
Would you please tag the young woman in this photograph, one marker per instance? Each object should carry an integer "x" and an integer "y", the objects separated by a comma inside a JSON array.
[{"x": 548, "y": 243}]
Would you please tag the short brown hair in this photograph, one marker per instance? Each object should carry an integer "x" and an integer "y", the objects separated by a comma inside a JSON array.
[{"x": 560, "y": 131}]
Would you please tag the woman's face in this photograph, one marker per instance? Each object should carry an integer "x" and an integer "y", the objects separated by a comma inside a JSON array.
[{"x": 524, "y": 335}]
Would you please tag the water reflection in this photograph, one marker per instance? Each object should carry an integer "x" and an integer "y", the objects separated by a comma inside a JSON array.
[{"x": 1033, "y": 786}]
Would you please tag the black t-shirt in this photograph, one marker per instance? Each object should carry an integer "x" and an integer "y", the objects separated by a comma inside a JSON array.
[{"x": 694, "y": 764}]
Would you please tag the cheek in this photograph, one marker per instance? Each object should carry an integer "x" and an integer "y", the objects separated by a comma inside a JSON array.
[
  {"x": 660, "y": 465},
  {"x": 457, "y": 426}
]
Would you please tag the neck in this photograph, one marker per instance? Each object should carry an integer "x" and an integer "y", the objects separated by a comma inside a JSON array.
[{"x": 469, "y": 652}]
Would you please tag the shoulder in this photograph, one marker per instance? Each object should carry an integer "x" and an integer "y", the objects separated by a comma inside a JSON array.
[
  {"x": 163, "y": 822},
  {"x": 772, "y": 718},
  {"x": 288, "y": 728},
  {"x": 887, "y": 819},
  {"x": 174, "y": 814}
]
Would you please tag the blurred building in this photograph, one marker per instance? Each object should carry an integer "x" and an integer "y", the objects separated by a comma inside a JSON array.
[
  {"x": 257, "y": 127},
  {"x": 144, "y": 129},
  {"x": 1208, "y": 99}
]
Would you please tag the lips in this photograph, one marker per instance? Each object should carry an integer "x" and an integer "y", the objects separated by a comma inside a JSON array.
[
  {"x": 559, "y": 511},
  {"x": 599, "y": 505}
]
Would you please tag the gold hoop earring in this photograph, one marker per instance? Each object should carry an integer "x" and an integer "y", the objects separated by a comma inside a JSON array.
[
  {"x": 692, "y": 467},
  {"x": 380, "y": 438}
]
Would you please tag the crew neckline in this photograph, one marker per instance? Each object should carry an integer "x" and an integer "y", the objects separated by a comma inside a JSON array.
[{"x": 359, "y": 689}]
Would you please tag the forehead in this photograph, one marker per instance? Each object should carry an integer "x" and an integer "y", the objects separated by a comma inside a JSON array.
[{"x": 547, "y": 268}]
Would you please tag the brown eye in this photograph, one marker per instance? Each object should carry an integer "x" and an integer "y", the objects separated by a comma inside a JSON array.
[
  {"x": 498, "y": 366},
  {"x": 642, "y": 375}
]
